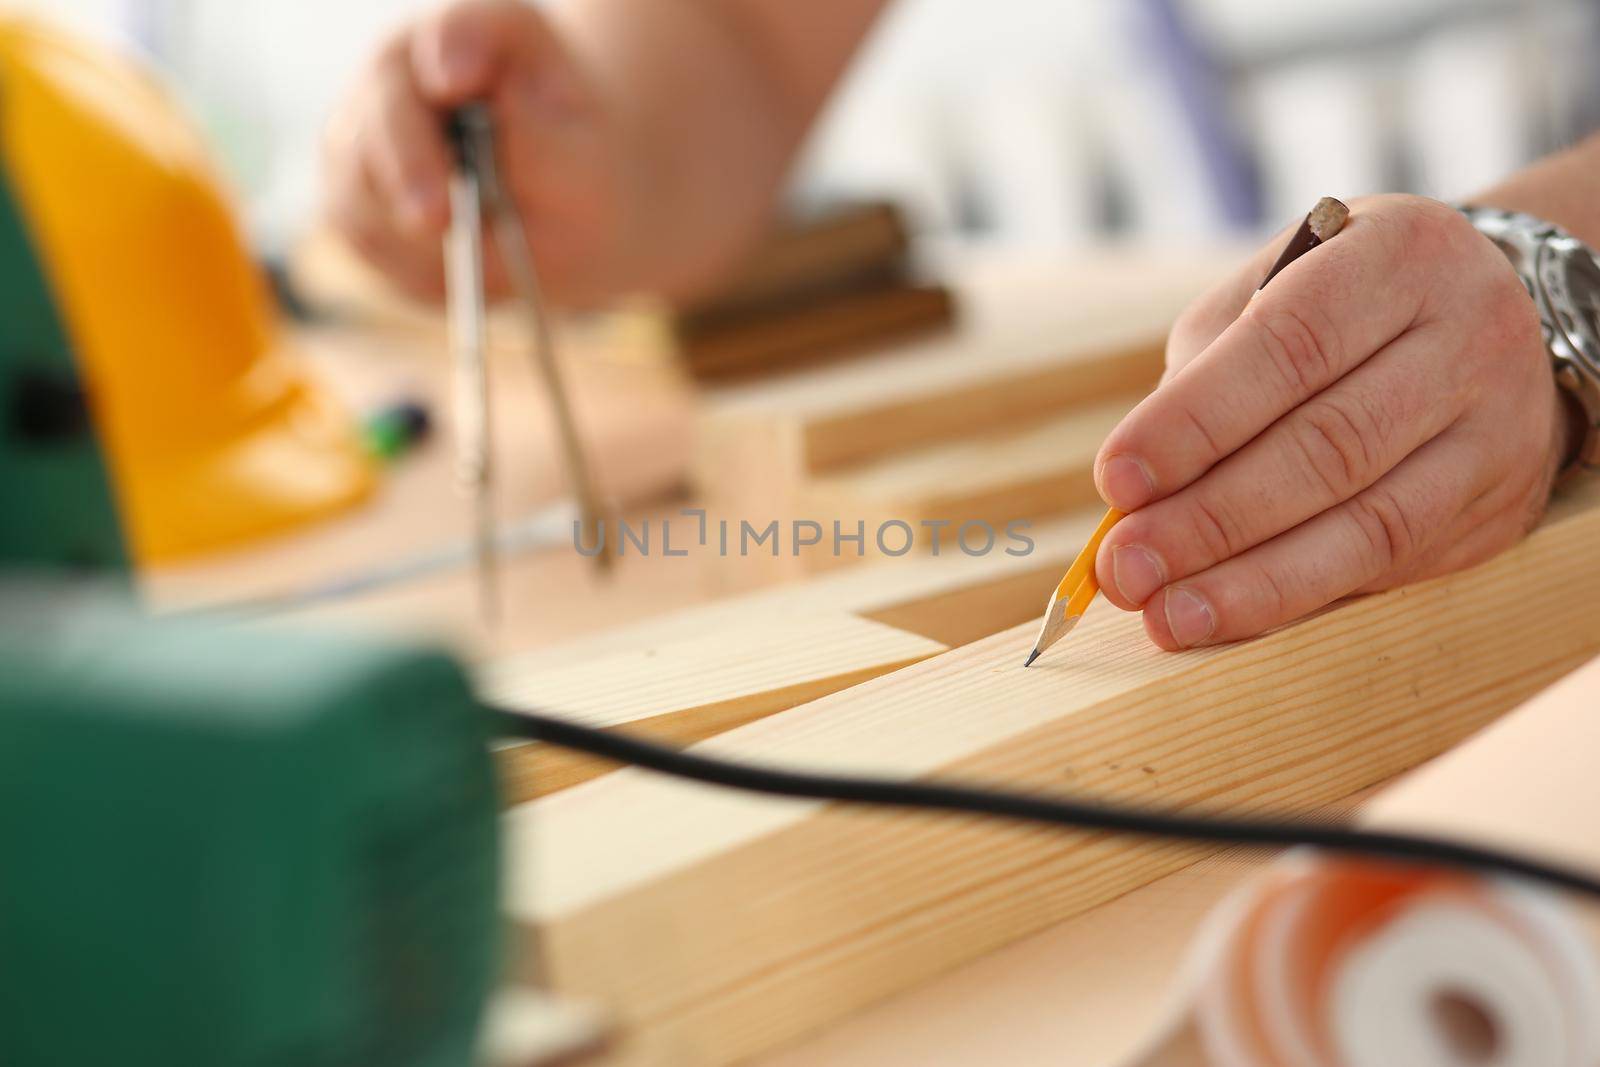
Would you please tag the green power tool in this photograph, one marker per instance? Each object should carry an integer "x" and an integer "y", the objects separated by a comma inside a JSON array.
[
  {"x": 219, "y": 846},
  {"x": 55, "y": 494},
  {"x": 228, "y": 847}
]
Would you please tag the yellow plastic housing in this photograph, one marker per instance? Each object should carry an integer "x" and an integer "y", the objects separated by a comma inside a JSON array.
[{"x": 213, "y": 433}]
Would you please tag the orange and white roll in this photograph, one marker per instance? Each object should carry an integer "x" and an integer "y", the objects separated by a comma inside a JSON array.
[
  {"x": 1341, "y": 964},
  {"x": 1331, "y": 963}
]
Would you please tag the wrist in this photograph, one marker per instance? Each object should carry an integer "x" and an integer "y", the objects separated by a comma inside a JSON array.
[{"x": 1557, "y": 188}]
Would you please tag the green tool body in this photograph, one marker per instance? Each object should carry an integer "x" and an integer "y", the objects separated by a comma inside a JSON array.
[
  {"x": 55, "y": 495},
  {"x": 220, "y": 846},
  {"x": 233, "y": 848}
]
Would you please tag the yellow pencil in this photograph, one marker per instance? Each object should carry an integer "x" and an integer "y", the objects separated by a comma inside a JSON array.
[
  {"x": 1073, "y": 593},
  {"x": 1078, "y": 587}
]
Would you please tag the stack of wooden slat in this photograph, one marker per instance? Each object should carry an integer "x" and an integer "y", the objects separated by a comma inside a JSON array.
[
  {"x": 823, "y": 285},
  {"x": 996, "y": 421}
]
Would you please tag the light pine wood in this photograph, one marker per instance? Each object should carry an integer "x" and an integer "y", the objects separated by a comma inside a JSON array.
[
  {"x": 1086, "y": 992},
  {"x": 1034, "y": 470},
  {"x": 1542, "y": 760},
  {"x": 1033, "y": 338},
  {"x": 1030, "y": 1003},
  {"x": 1096, "y": 362},
  {"x": 950, "y": 600},
  {"x": 1099, "y": 989},
  {"x": 717, "y": 925},
  {"x": 1181, "y": 1047},
  {"x": 971, "y": 612},
  {"x": 1524, "y": 784},
  {"x": 964, "y": 597},
  {"x": 686, "y": 691}
]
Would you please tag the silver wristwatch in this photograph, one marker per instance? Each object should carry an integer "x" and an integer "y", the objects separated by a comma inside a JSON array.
[{"x": 1562, "y": 274}]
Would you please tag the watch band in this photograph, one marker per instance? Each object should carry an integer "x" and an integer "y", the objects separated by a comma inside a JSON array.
[{"x": 1562, "y": 275}]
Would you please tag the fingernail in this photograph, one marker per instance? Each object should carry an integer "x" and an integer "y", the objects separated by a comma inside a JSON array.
[
  {"x": 1125, "y": 482},
  {"x": 1137, "y": 572},
  {"x": 1189, "y": 617}
]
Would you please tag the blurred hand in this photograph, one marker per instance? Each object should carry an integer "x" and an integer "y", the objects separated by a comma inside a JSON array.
[
  {"x": 1383, "y": 412},
  {"x": 387, "y": 162}
]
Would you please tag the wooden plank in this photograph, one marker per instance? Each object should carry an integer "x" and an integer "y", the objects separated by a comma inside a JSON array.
[
  {"x": 1101, "y": 360},
  {"x": 689, "y": 690},
  {"x": 950, "y": 600},
  {"x": 718, "y": 925},
  {"x": 968, "y": 613},
  {"x": 1043, "y": 468},
  {"x": 918, "y": 593},
  {"x": 810, "y": 252},
  {"x": 813, "y": 332},
  {"x": 1033, "y": 338},
  {"x": 1030, "y": 1003},
  {"x": 817, "y": 435}
]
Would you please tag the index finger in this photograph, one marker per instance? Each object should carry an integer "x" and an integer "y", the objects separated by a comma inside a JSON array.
[
  {"x": 461, "y": 52},
  {"x": 1318, "y": 320},
  {"x": 1204, "y": 320}
]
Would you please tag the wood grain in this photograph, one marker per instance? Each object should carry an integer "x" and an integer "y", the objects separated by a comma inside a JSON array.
[
  {"x": 718, "y": 925},
  {"x": 1091, "y": 990},
  {"x": 686, "y": 691},
  {"x": 1033, "y": 338},
  {"x": 951, "y": 600},
  {"x": 1034, "y": 470},
  {"x": 1095, "y": 363},
  {"x": 966, "y": 596}
]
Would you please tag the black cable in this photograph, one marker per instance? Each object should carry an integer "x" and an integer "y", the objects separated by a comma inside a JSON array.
[{"x": 1081, "y": 815}]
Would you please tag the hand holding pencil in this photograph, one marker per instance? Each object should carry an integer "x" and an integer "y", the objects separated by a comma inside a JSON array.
[
  {"x": 1079, "y": 585},
  {"x": 1384, "y": 411}
]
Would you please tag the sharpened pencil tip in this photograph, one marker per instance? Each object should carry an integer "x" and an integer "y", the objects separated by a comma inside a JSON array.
[{"x": 1031, "y": 657}]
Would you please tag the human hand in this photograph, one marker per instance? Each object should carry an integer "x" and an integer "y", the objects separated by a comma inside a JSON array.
[
  {"x": 387, "y": 163},
  {"x": 1383, "y": 412}
]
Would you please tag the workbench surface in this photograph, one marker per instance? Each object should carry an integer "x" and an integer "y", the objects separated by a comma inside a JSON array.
[{"x": 1087, "y": 991}]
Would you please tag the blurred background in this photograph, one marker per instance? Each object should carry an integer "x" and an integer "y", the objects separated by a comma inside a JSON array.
[{"x": 1030, "y": 122}]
